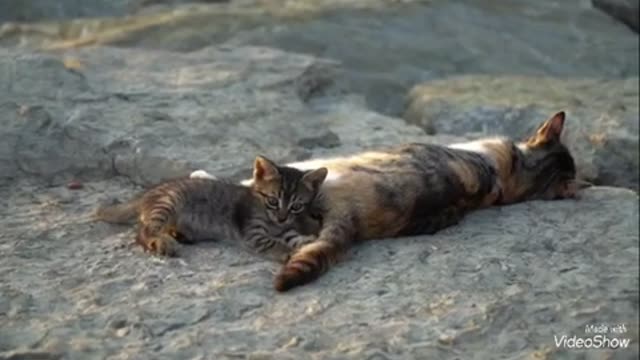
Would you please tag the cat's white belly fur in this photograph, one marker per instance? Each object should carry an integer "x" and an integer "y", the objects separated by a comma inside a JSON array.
[
  {"x": 332, "y": 175},
  {"x": 477, "y": 146},
  {"x": 201, "y": 174}
]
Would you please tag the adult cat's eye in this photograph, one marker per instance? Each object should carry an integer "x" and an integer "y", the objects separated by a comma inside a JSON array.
[{"x": 272, "y": 201}]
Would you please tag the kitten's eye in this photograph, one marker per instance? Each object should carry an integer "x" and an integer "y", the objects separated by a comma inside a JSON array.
[
  {"x": 296, "y": 207},
  {"x": 272, "y": 201}
]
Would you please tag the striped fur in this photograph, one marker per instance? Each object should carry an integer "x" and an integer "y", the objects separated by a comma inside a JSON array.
[
  {"x": 271, "y": 217},
  {"x": 422, "y": 188}
]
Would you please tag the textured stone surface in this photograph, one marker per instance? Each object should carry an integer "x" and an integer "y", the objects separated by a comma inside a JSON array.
[
  {"x": 104, "y": 111},
  {"x": 512, "y": 277},
  {"x": 626, "y": 11},
  {"x": 498, "y": 286},
  {"x": 385, "y": 46},
  {"x": 602, "y": 116},
  {"x": 121, "y": 112},
  {"x": 39, "y": 10}
]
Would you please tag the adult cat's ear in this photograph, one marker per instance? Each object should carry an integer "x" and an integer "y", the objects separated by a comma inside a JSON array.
[
  {"x": 264, "y": 169},
  {"x": 550, "y": 130},
  {"x": 314, "y": 178}
]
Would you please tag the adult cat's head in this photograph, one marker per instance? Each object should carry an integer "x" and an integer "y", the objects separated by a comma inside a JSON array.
[
  {"x": 286, "y": 193},
  {"x": 546, "y": 169}
]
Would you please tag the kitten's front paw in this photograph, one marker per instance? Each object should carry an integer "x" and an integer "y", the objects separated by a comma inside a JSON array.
[
  {"x": 163, "y": 245},
  {"x": 201, "y": 174}
]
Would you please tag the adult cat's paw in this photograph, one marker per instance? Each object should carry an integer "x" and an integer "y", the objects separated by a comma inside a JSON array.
[{"x": 163, "y": 245}]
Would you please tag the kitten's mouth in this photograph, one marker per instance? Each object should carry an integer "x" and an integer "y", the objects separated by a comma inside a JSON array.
[{"x": 282, "y": 220}]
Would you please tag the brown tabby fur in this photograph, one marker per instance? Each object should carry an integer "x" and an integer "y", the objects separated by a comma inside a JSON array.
[
  {"x": 422, "y": 188},
  {"x": 271, "y": 217}
]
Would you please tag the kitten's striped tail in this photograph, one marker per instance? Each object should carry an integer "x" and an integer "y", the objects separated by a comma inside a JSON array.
[
  {"x": 124, "y": 213},
  {"x": 307, "y": 264}
]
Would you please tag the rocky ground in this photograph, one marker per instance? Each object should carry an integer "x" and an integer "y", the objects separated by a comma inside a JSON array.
[{"x": 170, "y": 88}]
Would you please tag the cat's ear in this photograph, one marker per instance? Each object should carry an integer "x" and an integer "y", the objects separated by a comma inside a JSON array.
[
  {"x": 550, "y": 130},
  {"x": 314, "y": 178},
  {"x": 264, "y": 169}
]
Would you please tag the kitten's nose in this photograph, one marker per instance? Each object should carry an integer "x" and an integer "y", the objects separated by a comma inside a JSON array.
[{"x": 282, "y": 217}]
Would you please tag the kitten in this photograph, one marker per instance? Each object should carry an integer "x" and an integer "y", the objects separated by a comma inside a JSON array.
[
  {"x": 422, "y": 188},
  {"x": 272, "y": 216}
]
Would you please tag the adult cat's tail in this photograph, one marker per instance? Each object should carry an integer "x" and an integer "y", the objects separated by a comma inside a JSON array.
[
  {"x": 123, "y": 213},
  {"x": 307, "y": 264}
]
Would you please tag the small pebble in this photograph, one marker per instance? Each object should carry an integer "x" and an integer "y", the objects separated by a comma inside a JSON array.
[
  {"x": 293, "y": 342},
  {"x": 72, "y": 63},
  {"x": 445, "y": 339},
  {"x": 74, "y": 185},
  {"x": 23, "y": 110},
  {"x": 118, "y": 324}
]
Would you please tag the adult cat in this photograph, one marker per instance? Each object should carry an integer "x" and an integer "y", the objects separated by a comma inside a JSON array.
[{"x": 422, "y": 188}]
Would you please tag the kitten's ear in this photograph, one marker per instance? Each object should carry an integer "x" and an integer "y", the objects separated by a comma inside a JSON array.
[
  {"x": 550, "y": 130},
  {"x": 264, "y": 169},
  {"x": 314, "y": 178}
]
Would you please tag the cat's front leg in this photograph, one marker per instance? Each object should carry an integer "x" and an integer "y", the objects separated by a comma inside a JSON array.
[
  {"x": 293, "y": 239},
  {"x": 313, "y": 259},
  {"x": 266, "y": 246}
]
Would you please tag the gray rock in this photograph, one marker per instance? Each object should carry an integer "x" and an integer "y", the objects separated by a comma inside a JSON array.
[
  {"x": 121, "y": 111},
  {"x": 513, "y": 277},
  {"x": 39, "y": 10},
  {"x": 326, "y": 140},
  {"x": 601, "y": 128},
  {"x": 76, "y": 289},
  {"x": 626, "y": 11},
  {"x": 385, "y": 46},
  {"x": 99, "y": 112}
]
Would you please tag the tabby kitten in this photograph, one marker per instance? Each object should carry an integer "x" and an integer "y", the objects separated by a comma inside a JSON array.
[
  {"x": 272, "y": 216},
  {"x": 422, "y": 188}
]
